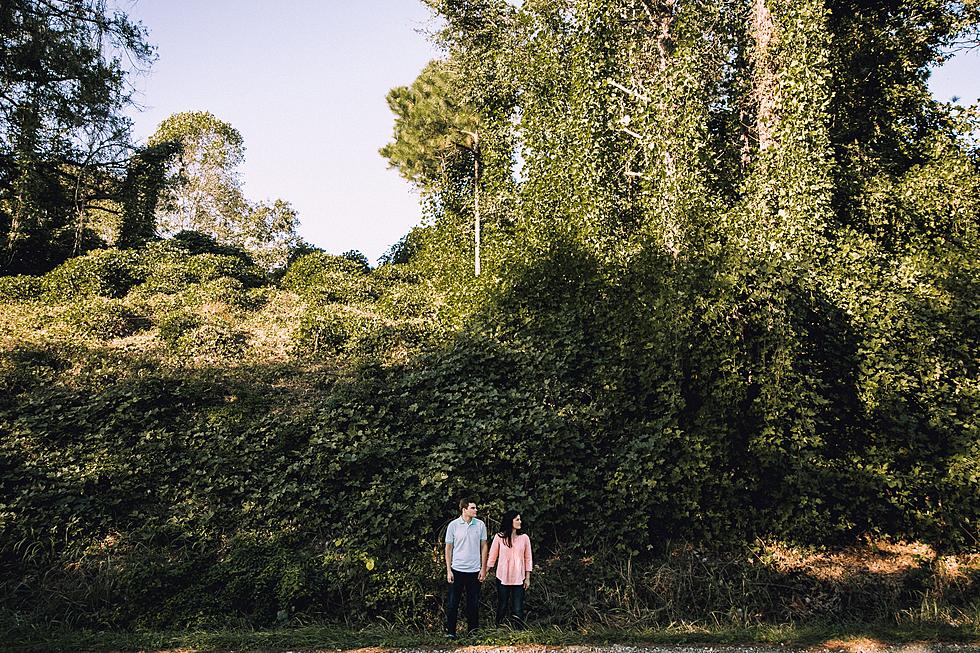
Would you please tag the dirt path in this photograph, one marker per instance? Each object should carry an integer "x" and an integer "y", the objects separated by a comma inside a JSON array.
[{"x": 832, "y": 646}]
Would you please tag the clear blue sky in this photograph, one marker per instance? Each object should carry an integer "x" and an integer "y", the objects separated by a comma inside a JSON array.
[{"x": 305, "y": 81}]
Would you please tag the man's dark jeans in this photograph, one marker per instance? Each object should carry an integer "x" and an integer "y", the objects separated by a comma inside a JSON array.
[
  {"x": 468, "y": 582},
  {"x": 510, "y": 600}
]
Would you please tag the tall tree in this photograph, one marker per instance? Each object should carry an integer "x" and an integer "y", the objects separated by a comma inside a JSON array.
[
  {"x": 268, "y": 233},
  {"x": 140, "y": 190},
  {"x": 436, "y": 143},
  {"x": 753, "y": 215},
  {"x": 62, "y": 89},
  {"x": 203, "y": 191}
]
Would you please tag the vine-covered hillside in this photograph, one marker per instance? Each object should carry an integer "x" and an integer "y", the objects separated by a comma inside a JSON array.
[{"x": 696, "y": 290}]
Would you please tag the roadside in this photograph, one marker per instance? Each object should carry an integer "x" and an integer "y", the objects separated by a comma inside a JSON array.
[
  {"x": 858, "y": 638},
  {"x": 832, "y": 646}
]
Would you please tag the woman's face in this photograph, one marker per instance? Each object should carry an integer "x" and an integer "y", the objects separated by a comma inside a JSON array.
[{"x": 517, "y": 523}]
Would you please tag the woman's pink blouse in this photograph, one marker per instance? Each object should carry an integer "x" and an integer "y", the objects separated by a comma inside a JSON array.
[{"x": 514, "y": 561}]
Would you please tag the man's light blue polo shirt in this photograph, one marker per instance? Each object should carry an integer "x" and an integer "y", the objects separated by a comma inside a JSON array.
[{"x": 466, "y": 539}]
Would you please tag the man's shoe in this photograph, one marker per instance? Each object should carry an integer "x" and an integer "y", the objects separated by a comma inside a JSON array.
[{"x": 451, "y": 637}]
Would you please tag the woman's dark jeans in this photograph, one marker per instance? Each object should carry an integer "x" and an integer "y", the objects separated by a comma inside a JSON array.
[{"x": 510, "y": 601}]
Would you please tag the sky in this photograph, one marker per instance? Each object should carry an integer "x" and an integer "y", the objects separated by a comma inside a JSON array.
[{"x": 304, "y": 81}]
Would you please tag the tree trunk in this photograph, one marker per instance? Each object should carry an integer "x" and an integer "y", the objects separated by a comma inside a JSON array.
[
  {"x": 476, "y": 205},
  {"x": 765, "y": 79}
]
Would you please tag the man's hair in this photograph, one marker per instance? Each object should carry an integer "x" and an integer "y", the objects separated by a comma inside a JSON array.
[{"x": 464, "y": 503}]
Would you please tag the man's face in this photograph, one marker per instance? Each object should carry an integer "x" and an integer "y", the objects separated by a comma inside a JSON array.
[{"x": 470, "y": 511}]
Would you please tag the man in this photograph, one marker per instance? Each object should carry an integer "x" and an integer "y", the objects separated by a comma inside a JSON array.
[{"x": 466, "y": 565}]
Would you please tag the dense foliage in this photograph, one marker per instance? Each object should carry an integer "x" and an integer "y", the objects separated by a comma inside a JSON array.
[
  {"x": 770, "y": 319},
  {"x": 729, "y": 293},
  {"x": 183, "y": 445},
  {"x": 64, "y": 143}
]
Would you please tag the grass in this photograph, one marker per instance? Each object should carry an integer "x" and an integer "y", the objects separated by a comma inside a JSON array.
[{"x": 335, "y": 637}]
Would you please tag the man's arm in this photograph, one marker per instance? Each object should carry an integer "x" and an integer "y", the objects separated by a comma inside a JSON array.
[
  {"x": 484, "y": 550},
  {"x": 449, "y": 562}
]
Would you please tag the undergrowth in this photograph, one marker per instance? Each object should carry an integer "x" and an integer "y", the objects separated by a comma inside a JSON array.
[{"x": 185, "y": 447}]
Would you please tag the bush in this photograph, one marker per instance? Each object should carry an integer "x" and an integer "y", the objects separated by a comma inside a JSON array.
[
  {"x": 407, "y": 301},
  {"x": 169, "y": 269},
  {"x": 186, "y": 334},
  {"x": 105, "y": 273},
  {"x": 223, "y": 290},
  {"x": 27, "y": 366},
  {"x": 328, "y": 331},
  {"x": 257, "y": 297},
  {"x": 321, "y": 278},
  {"x": 216, "y": 340},
  {"x": 175, "y": 326},
  {"x": 195, "y": 242},
  {"x": 104, "y": 318},
  {"x": 335, "y": 330},
  {"x": 402, "y": 293},
  {"x": 390, "y": 340},
  {"x": 20, "y": 287}
]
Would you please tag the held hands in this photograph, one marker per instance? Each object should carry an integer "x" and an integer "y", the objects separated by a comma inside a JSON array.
[{"x": 482, "y": 577}]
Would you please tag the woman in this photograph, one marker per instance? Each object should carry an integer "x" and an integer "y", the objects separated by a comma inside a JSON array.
[{"x": 513, "y": 553}]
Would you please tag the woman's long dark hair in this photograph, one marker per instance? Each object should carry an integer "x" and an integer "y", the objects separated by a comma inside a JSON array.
[{"x": 507, "y": 526}]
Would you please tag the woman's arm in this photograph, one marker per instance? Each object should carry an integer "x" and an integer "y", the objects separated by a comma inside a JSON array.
[
  {"x": 494, "y": 552},
  {"x": 528, "y": 562}
]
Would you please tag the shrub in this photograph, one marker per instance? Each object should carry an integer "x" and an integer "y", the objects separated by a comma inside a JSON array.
[
  {"x": 358, "y": 258},
  {"x": 176, "y": 325},
  {"x": 407, "y": 301},
  {"x": 206, "y": 267},
  {"x": 195, "y": 242},
  {"x": 389, "y": 340},
  {"x": 20, "y": 287},
  {"x": 27, "y": 366},
  {"x": 224, "y": 290},
  {"x": 104, "y": 318},
  {"x": 105, "y": 272},
  {"x": 187, "y": 334},
  {"x": 258, "y": 297},
  {"x": 171, "y": 270},
  {"x": 327, "y": 331},
  {"x": 321, "y": 278},
  {"x": 215, "y": 340}
]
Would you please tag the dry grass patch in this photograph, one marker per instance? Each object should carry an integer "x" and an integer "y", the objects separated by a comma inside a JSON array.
[
  {"x": 878, "y": 558},
  {"x": 870, "y": 645}
]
